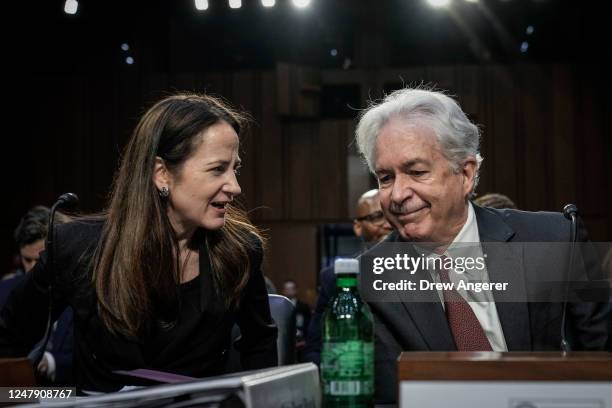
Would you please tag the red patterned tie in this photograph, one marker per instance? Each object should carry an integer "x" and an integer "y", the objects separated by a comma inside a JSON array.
[{"x": 466, "y": 329}]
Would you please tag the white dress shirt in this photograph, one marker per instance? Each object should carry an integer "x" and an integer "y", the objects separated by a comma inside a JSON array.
[{"x": 467, "y": 244}]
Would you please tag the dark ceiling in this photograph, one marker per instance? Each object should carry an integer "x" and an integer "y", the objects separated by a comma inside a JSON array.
[{"x": 173, "y": 36}]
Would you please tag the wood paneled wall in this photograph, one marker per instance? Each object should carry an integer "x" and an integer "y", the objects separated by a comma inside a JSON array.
[{"x": 546, "y": 142}]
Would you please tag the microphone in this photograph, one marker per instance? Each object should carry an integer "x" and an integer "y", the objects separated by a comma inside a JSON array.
[
  {"x": 570, "y": 211},
  {"x": 66, "y": 201}
]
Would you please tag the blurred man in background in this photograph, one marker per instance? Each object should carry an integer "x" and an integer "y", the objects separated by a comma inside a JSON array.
[
  {"x": 55, "y": 367},
  {"x": 302, "y": 312}
]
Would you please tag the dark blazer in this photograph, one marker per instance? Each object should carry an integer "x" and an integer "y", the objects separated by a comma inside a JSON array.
[
  {"x": 61, "y": 338},
  {"x": 303, "y": 314},
  {"x": 62, "y": 343},
  {"x": 6, "y": 287},
  {"x": 422, "y": 326},
  {"x": 312, "y": 349},
  {"x": 196, "y": 346}
]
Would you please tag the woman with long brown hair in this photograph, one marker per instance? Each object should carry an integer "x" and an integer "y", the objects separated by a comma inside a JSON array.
[{"x": 159, "y": 279}]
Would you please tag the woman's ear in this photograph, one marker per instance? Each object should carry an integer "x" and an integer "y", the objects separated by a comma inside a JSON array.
[{"x": 161, "y": 175}]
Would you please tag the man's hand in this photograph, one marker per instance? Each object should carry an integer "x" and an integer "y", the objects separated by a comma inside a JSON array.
[{"x": 43, "y": 366}]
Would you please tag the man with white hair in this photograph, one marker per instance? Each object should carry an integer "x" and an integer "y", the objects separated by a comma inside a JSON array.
[{"x": 424, "y": 152}]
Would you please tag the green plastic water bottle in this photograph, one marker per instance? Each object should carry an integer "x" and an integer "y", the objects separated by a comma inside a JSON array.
[{"x": 347, "y": 356}]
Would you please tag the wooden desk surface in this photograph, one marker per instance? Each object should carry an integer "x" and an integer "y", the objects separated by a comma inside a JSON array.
[
  {"x": 526, "y": 366},
  {"x": 17, "y": 372}
]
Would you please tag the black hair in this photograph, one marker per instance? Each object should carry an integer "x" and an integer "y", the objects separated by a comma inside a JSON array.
[{"x": 33, "y": 226}]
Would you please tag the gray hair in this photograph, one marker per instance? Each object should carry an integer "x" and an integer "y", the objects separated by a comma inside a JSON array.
[{"x": 458, "y": 136}]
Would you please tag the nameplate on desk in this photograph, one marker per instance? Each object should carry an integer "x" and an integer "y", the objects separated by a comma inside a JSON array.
[
  {"x": 505, "y": 380},
  {"x": 505, "y": 394}
]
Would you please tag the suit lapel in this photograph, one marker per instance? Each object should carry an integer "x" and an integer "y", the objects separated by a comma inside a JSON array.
[
  {"x": 428, "y": 316},
  {"x": 505, "y": 264},
  {"x": 431, "y": 322}
]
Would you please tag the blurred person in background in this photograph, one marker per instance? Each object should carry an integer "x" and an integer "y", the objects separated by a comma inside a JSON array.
[
  {"x": 55, "y": 367},
  {"x": 302, "y": 313},
  {"x": 494, "y": 200}
]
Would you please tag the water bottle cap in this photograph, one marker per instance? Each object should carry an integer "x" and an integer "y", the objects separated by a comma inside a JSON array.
[{"x": 346, "y": 265}]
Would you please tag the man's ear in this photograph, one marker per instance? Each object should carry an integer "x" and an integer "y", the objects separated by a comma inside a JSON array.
[
  {"x": 357, "y": 228},
  {"x": 161, "y": 174},
  {"x": 469, "y": 175}
]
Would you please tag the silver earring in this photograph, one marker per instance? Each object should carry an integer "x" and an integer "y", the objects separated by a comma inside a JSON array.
[{"x": 164, "y": 193}]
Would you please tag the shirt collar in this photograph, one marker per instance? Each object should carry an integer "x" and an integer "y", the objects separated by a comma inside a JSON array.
[
  {"x": 467, "y": 243},
  {"x": 469, "y": 231},
  {"x": 467, "y": 235}
]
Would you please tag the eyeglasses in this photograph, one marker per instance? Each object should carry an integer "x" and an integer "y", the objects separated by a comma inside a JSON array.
[{"x": 377, "y": 217}]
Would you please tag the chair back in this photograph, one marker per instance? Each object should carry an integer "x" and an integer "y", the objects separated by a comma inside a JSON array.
[{"x": 283, "y": 313}]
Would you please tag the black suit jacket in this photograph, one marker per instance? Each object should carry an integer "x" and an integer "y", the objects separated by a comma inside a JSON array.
[
  {"x": 62, "y": 340},
  {"x": 197, "y": 346},
  {"x": 312, "y": 349},
  {"x": 412, "y": 326},
  {"x": 7, "y": 286}
]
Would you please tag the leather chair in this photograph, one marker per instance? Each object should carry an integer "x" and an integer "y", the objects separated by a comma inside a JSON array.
[{"x": 283, "y": 313}]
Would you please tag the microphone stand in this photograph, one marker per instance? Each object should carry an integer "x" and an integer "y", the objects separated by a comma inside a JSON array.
[
  {"x": 570, "y": 212},
  {"x": 67, "y": 200}
]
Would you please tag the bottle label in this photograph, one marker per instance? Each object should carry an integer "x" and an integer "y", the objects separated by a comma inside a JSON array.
[{"x": 347, "y": 368}]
